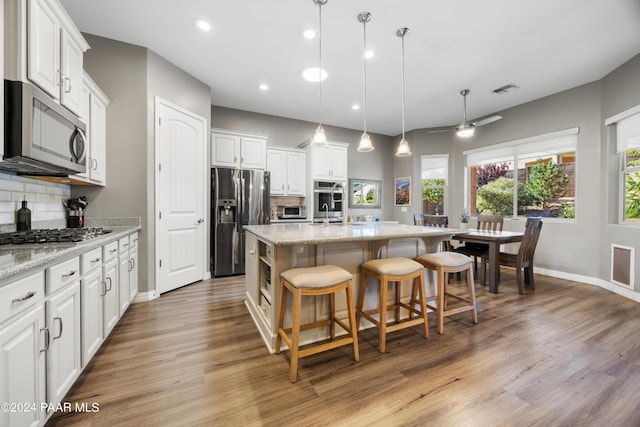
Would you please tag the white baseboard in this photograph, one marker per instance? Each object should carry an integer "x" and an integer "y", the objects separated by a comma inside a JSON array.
[
  {"x": 145, "y": 296},
  {"x": 612, "y": 287}
]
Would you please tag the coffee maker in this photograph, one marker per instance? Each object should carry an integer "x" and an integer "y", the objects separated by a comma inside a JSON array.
[{"x": 75, "y": 212}]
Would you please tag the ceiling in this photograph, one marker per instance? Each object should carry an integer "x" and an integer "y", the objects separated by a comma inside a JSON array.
[{"x": 542, "y": 46}]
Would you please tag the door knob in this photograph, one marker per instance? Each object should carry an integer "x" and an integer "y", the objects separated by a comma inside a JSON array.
[{"x": 200, "y": 220}]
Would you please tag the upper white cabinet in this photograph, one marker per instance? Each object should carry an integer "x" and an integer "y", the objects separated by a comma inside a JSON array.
[
  {"x": 44, "y": 46},
  {"x": 329, "y": 162},
  {"x": 94, "y": 114},
  {"x": 238, "y": 150},
  {"x": 54, "y": 54},
  {"x": 288, "y": 171}
]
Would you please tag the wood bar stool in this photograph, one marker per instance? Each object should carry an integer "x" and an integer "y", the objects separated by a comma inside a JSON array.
[
  {"x": 313, "y": 281},
  {"x": 393, "y": 270},
  {"x": 444, "y": 263}
]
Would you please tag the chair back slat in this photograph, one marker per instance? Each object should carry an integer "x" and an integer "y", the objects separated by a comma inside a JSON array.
[
  {"x": 490, "y": 222},
  {"x": 436, "y": 220},
  {"x": 530, "y": 240},
  {"x": 418, "y": 219}
]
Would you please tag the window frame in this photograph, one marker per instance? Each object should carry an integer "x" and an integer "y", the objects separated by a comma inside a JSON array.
[
  {"x": 552, "y": 143},
  {"x": 444, "y": 160},
  {"x": 621, "y": 150}
]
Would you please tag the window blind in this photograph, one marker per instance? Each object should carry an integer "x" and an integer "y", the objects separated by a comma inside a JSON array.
[{"x": 628, "y": 134}]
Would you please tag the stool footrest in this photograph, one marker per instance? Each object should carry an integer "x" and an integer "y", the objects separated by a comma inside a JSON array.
[{"x": 318, "y": 348}]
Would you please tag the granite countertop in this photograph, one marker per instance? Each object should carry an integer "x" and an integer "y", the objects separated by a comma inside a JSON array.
[
  {"x": 20, "y": 260},
  {"x": 308, "y": 234}
]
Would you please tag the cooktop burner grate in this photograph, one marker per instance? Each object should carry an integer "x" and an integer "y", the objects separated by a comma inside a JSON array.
[{"x": 63, "y": 235}]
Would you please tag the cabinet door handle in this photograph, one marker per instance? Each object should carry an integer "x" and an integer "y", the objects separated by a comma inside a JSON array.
[
  {"x": 68, "y": 86},
  {"x": 110, "y": 284},
  {"x": 94, "y": 164},
  {"x": 59, "y": 83},
  {"x": 46, "y": 339},
  {"x": 25, "y": 297},
  {"x": 103, "y": 292},
  {"x": 69, "y": 274},
  {"x": 60, "y": 333}
]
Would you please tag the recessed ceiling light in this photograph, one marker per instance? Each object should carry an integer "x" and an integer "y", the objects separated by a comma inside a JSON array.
[
  {"x": 311, "y": 74},
  {"x": 263, "y": 87},
  {"x": 202, "y": 24},
  {"x": 355, "y": 107},
  {"x": 309, "y": 34},
  {"x": 369, "y": 54}
]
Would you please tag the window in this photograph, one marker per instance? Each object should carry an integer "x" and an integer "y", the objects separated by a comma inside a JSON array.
[
  {"x": 628, "y": 147},
  {"x": 542, "y": 169},
  {"x": 434, "y": 183}
]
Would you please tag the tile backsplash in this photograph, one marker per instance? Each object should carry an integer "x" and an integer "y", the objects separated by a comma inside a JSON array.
[{"x": 43, "y": 198}]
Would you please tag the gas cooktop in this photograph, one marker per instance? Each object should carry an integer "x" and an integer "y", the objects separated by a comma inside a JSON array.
[{"x": 63, "y": 235}]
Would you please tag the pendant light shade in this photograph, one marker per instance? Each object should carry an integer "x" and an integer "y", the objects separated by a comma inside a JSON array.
[
  {"x": 365, "y": 141},
  {"x": 319, "y": 137},
  {"x": 403, "y": 147}
]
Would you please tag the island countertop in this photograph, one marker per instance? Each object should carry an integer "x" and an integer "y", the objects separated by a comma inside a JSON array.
[{"x": 307, "y": 234}]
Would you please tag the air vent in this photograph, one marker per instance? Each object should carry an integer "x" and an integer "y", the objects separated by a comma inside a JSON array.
[
  {"x": 622, "y": 261},
  {"x": 506, "y": 88}
]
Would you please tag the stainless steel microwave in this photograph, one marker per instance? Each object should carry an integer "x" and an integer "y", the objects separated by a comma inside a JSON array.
[
  {"x": 293, "y": 212},
  {"x": 41, "y": 136}
]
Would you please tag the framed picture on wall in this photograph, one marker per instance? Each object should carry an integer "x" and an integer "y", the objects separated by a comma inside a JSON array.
[{"x": 403, "y": 191}]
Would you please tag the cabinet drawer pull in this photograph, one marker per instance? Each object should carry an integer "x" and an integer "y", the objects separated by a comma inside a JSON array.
[
  {"x": 25, "y": 297},
  {"x": 93, "y": 261},
  {"x": 69, "y": 274},
  {"x": 113, "y": 251},
  {"x": 60, "y": 333}
]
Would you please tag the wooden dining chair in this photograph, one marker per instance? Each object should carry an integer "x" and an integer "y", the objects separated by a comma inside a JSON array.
[
  {"x": 475, "y": 250},
  {"x": 441, "y": 221},
  {"x": 523, "y": 260}
]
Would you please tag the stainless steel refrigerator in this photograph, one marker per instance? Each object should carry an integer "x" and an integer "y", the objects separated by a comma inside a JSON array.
[{"x": 238, "y": 197}]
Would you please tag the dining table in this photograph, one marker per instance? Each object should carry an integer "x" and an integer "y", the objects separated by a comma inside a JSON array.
[{"x": 493, "y": 239}]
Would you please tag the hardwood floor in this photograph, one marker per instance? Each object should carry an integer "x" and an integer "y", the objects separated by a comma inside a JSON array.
[{"x": 568, "y": 354}]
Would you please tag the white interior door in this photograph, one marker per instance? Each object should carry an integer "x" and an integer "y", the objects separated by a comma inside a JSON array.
[{"x": 180, "y": 196}]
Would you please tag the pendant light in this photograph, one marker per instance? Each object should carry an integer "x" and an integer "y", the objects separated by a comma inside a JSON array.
[
  {"x": 319, "y": 138},
  {"x": 403, "y": 147},
  {"x": 365, "y": 141}
]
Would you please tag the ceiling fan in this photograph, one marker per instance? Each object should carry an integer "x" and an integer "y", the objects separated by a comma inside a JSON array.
[{"x": 466, "y": 129}]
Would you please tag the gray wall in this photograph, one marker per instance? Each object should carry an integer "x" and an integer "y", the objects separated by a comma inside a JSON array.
[
  {"x": 291, "y": 133},
  {"x": 132, "y": 76}
]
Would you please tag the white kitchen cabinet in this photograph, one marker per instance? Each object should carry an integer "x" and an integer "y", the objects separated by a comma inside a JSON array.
[
  {"x": 91, "y": 291},
  {"x": 54, "y": 52},
  {"x": 23, "y": 367},
  {"x": 133, "y": 269},
  {"x": 110, "y": 299},
  {"x": 64, "y": 362},
  {"x": 329, "y": 163},
  {"x": 23, "y": 344},
  {"x": 94, "y": 114},
  {"x": 238, "y": 150},
  {"x": 288, "y": 171}
]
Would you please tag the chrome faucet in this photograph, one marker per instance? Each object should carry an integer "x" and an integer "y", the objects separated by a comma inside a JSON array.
[{"x": 326, "y": 208}]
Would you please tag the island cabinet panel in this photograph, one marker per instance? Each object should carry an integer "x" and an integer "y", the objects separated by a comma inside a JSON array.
[{"x": 273, "y": 249}]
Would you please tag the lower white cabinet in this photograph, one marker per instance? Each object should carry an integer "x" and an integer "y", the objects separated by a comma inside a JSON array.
[
  {"x": 23, "y": 367},
  {"x": 54, "y": 321},
  {"x": 110, "y": 296},
  {"x": 128, "y": 270},
  {"x": 92, "y": 332},
  {"x": 64, "y": 362}
]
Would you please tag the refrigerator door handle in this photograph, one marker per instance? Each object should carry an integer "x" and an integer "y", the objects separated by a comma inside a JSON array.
[{"x": 235, "y": 244}]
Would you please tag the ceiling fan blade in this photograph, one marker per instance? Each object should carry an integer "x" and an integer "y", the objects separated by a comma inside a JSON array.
[
  {"x": 441, "y": 130},
  {"x": 487, "y": 120}
]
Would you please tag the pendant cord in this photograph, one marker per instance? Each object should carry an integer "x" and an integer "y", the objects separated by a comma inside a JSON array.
[
  {"x": 402, "y": 86},
  {"x": 364, "y": 73},
  {"x": 320, "y": 58}
]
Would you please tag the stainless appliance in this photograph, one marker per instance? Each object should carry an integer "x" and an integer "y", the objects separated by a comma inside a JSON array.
[
  {"x": 293, "y": 212},
  {"x": 238, "y": 197},
  {"x": 41, "y": 136},
  {"x": 328, "y": 200}
]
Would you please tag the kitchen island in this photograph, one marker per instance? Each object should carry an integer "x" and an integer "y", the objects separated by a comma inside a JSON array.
[{"x": 272, "y": 249}]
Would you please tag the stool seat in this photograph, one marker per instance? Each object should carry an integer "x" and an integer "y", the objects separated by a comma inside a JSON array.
[
  {"x": 322, "y": 276},
  {"x": 445, "y": 259},
  {"x": 393, "y": 266},
  {"x": 315, "y": 281},
  {"x": 393, "y": 270}
]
